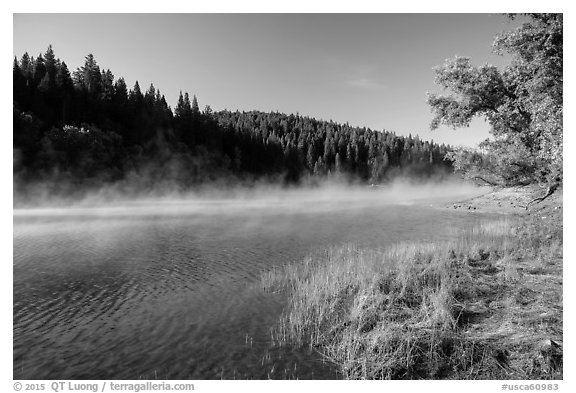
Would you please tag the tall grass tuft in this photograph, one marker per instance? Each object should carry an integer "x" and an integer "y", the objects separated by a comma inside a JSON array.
[{"x": 429, "y": 310}]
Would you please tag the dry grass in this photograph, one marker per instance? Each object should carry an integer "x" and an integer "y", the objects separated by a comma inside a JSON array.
[{"x": 487, "y": 305}]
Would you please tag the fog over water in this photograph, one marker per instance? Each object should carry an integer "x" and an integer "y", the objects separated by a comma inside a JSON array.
[
  {"x": 328, "y": 196},
  {"x": 167, "y": 287}
]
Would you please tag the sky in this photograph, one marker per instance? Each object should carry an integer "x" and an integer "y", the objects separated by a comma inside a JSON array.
[{"x": 371, "y": 70}]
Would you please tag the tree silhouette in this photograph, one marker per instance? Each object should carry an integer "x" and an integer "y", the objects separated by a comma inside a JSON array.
[{"x": 89, "y": 128}]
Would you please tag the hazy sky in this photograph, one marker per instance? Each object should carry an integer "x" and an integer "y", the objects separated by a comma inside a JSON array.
[{"x": 368, "y": 70}]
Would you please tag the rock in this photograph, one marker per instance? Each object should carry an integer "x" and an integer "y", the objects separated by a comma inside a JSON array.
[
  {"x": 550, "y": 345},
  {"x": 549, "y": 357}
]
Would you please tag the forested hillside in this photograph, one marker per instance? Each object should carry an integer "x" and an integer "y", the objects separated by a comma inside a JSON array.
[{"x": 86, "y": 127}]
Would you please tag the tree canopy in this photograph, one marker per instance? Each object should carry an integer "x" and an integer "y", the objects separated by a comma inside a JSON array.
[
  {"x": 522, "y": 103},
  {"x": 86, "y": 127}
]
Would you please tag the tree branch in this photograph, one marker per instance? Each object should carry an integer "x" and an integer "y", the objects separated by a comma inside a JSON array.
[
  {"x": 491, "y": 183},
  {"x": 549, "y": 192}
]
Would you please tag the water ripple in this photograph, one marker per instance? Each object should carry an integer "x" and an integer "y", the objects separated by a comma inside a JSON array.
[{"x": 105, "y": 296}]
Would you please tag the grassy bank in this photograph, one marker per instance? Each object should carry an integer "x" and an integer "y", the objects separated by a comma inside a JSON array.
[{"x": 486, "y": 305}]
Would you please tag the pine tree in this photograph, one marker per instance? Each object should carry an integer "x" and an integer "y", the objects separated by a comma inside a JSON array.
[
  {"x": 329, "y": 151},
  {"x": 26, "y": 66},
  {"x": 88, "y": 77},
  {"x": 18, "y": 79},
  {"x": 150, "y": 93},
  {"x": 120, "y": 92},
  {"x": 50, "y": 63},
  {"x": 338, "y": 164},
  {"x": 187, "y": 105},
  {"x": 107, "y": 79},
  {"x": 195, "y": 108},
  {"x": 319, "y": 167},
  {"x": 64, "y": 90},
  {"x": 46, "y": 83},
  {"x": 385, "y": 161},
  {"x": 183, "y": 109},
  {"x": 63, "y": 78},
  {"x": 39, "y": 70},
  {"x": 135, "y": 95},
  {"x": 350, "y": 156},
  {"x": 311, "y": 156}
]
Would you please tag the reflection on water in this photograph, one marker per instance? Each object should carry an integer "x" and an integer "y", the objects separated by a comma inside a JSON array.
[{"x": 170, "y": 290}]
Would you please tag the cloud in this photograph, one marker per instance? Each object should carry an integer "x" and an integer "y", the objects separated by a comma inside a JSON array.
[
  {"x": 365, "y": 77},
  {"x": 366, "y": 83}
]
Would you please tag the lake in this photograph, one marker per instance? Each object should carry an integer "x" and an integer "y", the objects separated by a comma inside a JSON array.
[{"x": 169, "y": 289}]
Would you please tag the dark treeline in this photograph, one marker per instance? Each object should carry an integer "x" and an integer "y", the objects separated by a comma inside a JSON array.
[
  {"x": 87, "y": 128},
  {"x": 299, "y": 145}
]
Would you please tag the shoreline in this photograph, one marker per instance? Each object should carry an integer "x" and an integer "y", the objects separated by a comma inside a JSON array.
[
  {"x": 508, "y": 201},
  {"x": 486, "y": 305}
]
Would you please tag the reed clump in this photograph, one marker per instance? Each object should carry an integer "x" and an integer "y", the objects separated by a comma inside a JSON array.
[{"x": 486, "y": 305}]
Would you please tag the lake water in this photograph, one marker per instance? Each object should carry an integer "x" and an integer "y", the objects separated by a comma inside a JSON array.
[{"x": 170, "y": 289}]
